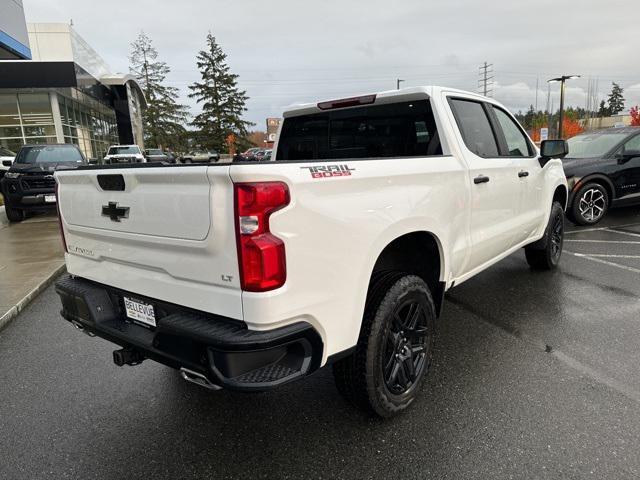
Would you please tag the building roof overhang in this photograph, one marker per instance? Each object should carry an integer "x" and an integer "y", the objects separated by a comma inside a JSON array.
[{"x": 123, "y": 79}]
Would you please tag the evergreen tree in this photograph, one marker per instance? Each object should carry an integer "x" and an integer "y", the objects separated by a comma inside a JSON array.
[
  {"x": 616, "y": 100},
  {"x": 603, "y": 111},
  {"x": 164, "y": 116},
  {"x": 222, "y": 102},
  {"x": 529, "y": 118}
]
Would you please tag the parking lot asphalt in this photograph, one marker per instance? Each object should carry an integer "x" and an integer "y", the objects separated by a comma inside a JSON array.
[{"x": 535, "y": 376}]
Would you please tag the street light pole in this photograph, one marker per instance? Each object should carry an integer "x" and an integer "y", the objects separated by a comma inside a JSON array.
[
  {"x": 398, "y": 82},
  {"x": 562, "y": 79},
  {"x": 561, "y": 116}
]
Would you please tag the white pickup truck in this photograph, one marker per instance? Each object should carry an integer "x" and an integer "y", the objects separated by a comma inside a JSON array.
[
  {"x": 339, "y": 250},
  {"x": 124, "y": 154}
]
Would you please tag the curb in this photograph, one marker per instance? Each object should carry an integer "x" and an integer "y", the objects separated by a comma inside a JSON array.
[{"x": 15, "y": 310}]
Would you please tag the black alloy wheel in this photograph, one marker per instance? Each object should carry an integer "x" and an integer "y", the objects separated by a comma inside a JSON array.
[{"x": 407, "y": 344}]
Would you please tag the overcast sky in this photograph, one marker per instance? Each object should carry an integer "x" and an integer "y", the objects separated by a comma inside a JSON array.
[{"x": 289, "y": 51}]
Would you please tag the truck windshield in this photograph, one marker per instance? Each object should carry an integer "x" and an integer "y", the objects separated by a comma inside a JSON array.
[
  {"x": 49, "y": 154},
  {"x": 404, "y": 129},
  {"x": 124, "y": 150}
]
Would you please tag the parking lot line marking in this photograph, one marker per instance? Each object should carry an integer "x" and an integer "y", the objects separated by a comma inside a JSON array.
[
  {"x": 599, "y": 260},
  {"x": 626, "y": 242},
  {"x": 597, "y": 376},
  {"x": 595, "y": 229},
  {"x": 607, "y": 255},
  {"x": 631, "y": 234},
  {"x": 537, "y": 343}
]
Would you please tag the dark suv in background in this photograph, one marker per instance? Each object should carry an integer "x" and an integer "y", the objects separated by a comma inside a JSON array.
[
  {"x": 29, "y": 184},
  {"x": 603, "y": 171}
]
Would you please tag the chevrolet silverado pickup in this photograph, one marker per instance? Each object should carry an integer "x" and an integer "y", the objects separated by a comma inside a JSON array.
[{"x": 338, "y": 251}]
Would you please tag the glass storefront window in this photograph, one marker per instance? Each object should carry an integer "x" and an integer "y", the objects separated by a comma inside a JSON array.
[
  {"x": 40, "y": 140},
  {"x": 91, "y": 128},
  {"x": 64, "y": 117},
  {"x": 35, "y": 108},
  {"x": 12, "y": 144},
  {"x": 9, "y": 109},
  {"x": 10, "y": 132},
  {"x": 39, "y": 131}
]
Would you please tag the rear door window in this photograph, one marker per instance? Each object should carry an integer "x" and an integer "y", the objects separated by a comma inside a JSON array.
[
  {"x": 404, "y": 129},
  {"x": 474, "y": 125}
]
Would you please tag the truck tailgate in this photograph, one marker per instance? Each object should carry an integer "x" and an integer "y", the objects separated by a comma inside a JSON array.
[{"x": 161, "y": 232}]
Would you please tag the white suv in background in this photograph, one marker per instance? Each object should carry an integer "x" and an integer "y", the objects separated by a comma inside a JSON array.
[
  {"x": 6, "y": 160},
  {"x": 124, "y": 154}
]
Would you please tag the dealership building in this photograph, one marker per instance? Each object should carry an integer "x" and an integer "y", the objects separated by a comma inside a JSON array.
[{"x": 54, "y": 88}]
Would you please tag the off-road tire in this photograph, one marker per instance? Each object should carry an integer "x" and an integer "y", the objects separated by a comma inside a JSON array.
[
  {"x": 360, "y": 378},
  {"x": 545, "y": 253},
  {"x": 14, "y": 215}
]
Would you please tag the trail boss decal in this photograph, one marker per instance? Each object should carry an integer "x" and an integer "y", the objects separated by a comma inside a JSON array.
[{"x": 327, "y": 171}]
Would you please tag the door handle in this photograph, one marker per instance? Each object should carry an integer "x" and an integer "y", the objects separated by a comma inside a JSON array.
[
  {"x": 481, "y": 179},
  {"x": 523, "y": 173}
]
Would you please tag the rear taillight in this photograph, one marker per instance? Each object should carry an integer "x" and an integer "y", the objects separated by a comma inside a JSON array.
[
  {"x": 261, "y": 254},
  {"x": 64, "y": 242}
]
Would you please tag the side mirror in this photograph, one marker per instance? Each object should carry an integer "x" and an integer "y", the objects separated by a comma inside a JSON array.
[
  {"x": 628, "y": 155},
  {"x": 553, "y": 149}
]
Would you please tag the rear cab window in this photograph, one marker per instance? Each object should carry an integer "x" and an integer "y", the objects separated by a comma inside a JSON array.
[
  {"x": 475, "y": 127},
  {"x": 404, "y": 129}
]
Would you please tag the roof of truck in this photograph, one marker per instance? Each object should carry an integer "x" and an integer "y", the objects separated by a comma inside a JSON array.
[{"x": 387, "y": 96}]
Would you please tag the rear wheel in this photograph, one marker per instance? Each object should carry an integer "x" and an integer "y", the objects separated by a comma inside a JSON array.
[
  {"x": 395, "y": 347},
  {"x": 14, "y": 214},
  {"x": 590, "y": 204},
  {"x": 545, "y": 253}
]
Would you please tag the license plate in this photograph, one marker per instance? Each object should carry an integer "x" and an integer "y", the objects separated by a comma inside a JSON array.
[
  {"x": 50, "y": 199},
  {"x": 140, "y": 312}
]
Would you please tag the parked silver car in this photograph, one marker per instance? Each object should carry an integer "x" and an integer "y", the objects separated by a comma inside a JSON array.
[{"x": 200, "y": 156}]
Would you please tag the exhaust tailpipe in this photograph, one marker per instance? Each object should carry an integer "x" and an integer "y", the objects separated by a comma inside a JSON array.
[
  {"x": 80, "y": 327},
  {"x": 198, "y": 379}
]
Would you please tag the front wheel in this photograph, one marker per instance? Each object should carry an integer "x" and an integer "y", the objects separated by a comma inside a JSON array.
[
  {"x": 545, "y": 253},
  {"x": 395, "y": 347},
  {"x": 589, "y": 205},
  {"x": 14, "y": 215}
]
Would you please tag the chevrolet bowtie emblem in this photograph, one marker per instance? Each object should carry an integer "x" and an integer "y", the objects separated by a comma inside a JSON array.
[{"x": 114, "y": 212}]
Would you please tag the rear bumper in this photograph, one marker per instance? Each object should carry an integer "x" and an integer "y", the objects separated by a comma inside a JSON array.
[{"x": 223, "y": 350}]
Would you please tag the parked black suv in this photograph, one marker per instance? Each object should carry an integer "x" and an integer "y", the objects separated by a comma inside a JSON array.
[
  {"x": 603, "y": 171},
  {"x": 29, "y": 184}
]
